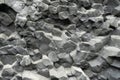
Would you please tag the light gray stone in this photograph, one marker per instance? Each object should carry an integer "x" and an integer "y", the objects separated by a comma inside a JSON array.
[
  {"x": 20, "y": 20},
  {"x": 79, "y": 73},
  {"x": 63, "y": 15},
  {"x": 78, "y": 56},
  {"x": 32, "y": 75},
  {"x": 58, "y": 73},
  {"x": 116, "y": 63},
  {"x": 97, "y": 64},
  {"x": 113, "y": 52},
  {"x": 26, "y": 60},
  {"x": 115, "y": 40},
  {"x": 94, "y": 44},
  {"x": 8, "y": 71},
  {"x": 53, "y": 56}
]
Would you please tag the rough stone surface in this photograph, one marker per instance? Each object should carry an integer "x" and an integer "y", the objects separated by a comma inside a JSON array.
[{"x": 59, "y": 40}]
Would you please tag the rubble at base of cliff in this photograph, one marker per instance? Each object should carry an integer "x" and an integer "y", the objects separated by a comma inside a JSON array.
[{"x": 59, "y": 39}]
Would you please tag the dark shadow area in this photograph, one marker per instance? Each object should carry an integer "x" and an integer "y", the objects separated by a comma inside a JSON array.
[
  {"x": 54, "y": 78},
  {"x": 5, "y": 8},
  {"x": 7, "y": 18}
]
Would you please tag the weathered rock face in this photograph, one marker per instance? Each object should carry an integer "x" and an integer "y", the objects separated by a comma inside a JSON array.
[{"x": 59, "y": 40}]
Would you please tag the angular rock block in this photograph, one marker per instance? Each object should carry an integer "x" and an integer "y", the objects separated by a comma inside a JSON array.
[
  {"x": 115, "y": 41},
  {"x": 113, "y": 52},
  {"x": 94, "y": 44}
]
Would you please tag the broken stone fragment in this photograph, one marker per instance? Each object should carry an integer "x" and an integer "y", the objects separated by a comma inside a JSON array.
[
  {"x": 80, "y": 75},
  {"x": 13, "y": 36},
  {"x": 20, "y": 42},
  {"x": 56, "y": 42},
  {"x": 44, "y": 72},
  {"x": 47, "y": 1},
  {"x": 28, "y": 2},
  {"x": 97, "y": 64},
  {"x": 42, "y": 7},
  {"x": 44, "y": 48},
  {"x": 65, "y": 57},
  {"x": 35, "y": 55},
  {"x": 61, "y": 8},
  {"x": 89, "y": 13},
  {"x": 102, "y": 31},
  {"x": 3, "y": 36},
  {"x": 96, "y": 19},
  {"x": 85, "y": 3},
  {"x": 113, "y": 52},
  {"x": 17, "y": 67},
  {"x": 56, "y": 32},
  {"x": 72, "y": 9},
  {"x": 3, "y": 42},
  {"x": 91, "y": 55},
  {"x": 5, "y": 19},
  {"x": 39, "y": 65},
  {"x": 63, "y": 15},
  {"x": 78, "y": 56},
  {"x": 41, "y": 68},
  {"x": 43, "y": 63},
  {"x": 72, "y": 78},
  {"x": 21, "y": 50},
  {"x": 52, "y": 9},
  {"x": 117, "y": 31},
  {"x": 27, "y": 11},
  {"x": 56, "y": 38},
  {"x": 86, "y": 36},
  {"x": 108, "y": 9},
  {"x": 112, "y": 21},
  {"x": 36, "y": 51},
  {"x": 42, "y": 37},
  {"x": 53, "y": 56},
  {"x": 7, "y": 59},
  {"x": 72, "y": 27},
  {"x": 8, "y": 71},
  {"x": 116, "y": 63},
  {"x": 12, "y": 51},
  {"x": 98, "y": 6},
  {"x": 32, "y": 75},
  {"x": 70, "y": 72},
  {"x": 58, "y": 73},
  {"x": 112, "y": 74},
  {"x": 89, "y": 73},
  {"x": 18, "y": 5},
  {"x": 19, "y": 57},
  {"x": 4, "y": 48},
  {"x": 69, "y": 46},
  {"x": 94, "y": 13},
  {"x": 35, "y": 16},
  {"x": 47, "y": 27},
  {"x": 116, "y": 11},
  {"x": 94, "y": 44},
  {"x": 115, "y": 41},
  {"x": 74, "y": 20},
  {"x": 20, "y": 20},
  {"x": 84, "y": 64},
  {"x": 17, "y": 77},
  {"x": 47, "y": 62},
  {"x": 26, "y": 60},
  {"x": 1, "y": 65}
]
